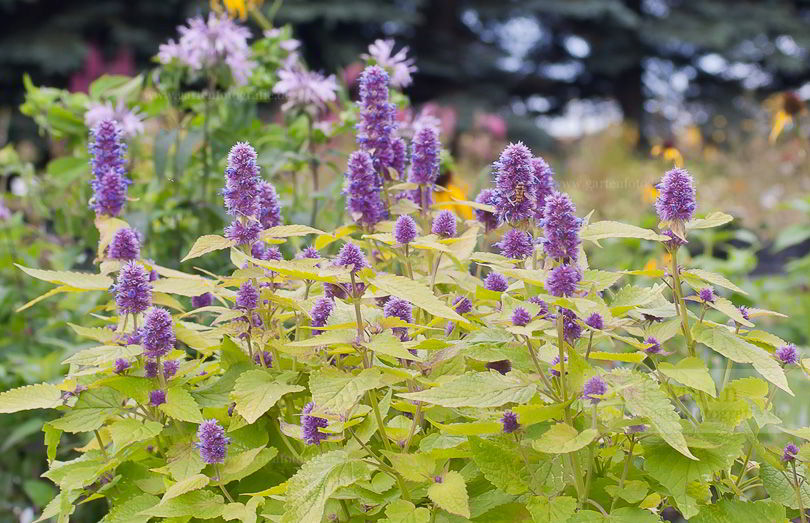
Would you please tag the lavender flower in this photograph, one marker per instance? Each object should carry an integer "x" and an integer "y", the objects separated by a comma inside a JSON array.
[
  {"x": 122, "y": 365},
  {"x": 674, "y": 241},
  {"x": 241, "y": 192},
  {"x": 449, "y": 327},
  {"x": 133, "y": 294},
  {"x": 655, "y": 347},
  {"x": 516, "y": 244},
  {"x": 398, "y": 64},
  {"x": 157, "y": 335},
  {"x": 707, "y": 294},
  {"x": 311, "y": 424},
  {"x": 362, "y": 190},
  {"x": 203, "y": 300},
  {"x": 157, "y": 397},
  {"x": 462, "y": 305},
  {"x": 398, "y": 153},
  {"x": 128, "y": 120},
  {"x": 788, "y": 354},
  {"x": 496, "y": 282},
  {"x": 542, "y": 304},
  {"x": 110, "y": 193},
  {"x": 790, "y": 451},
  {"x": 571, "y": 328},
  {"x": 676, "y": 198},
  {"x": 308, "y": 253},
  {"x": 125, "y": 245},
  {"x": 243, "y": 233},
  {"x": 744, "y": 312},
  {"x": 595, "y": 321},
  {"x": 107, "y": 149},
  {"x": 170, "y": 368},
  {"x": 351, "y": 255},
  {"x": 260, "y": 251},
  {"x": 399, "y": 308},
  {"x": 635, "y": 429},
  {"x": 269, "y": 206},
  {"x": 263, "y": 359},
  {"x": 556, "y": 361},
  {"x": 377, "y": 117},
  {"x": 153, "y": 275},
  {"x": 305, "y": 89},
  {"x": 320, "y": 313},
  {"x": 248, "y": 296},
  {"x": 150, "y": 368},
  {"x": 488, "y": 219},
  {"x": 561, "y": 228},
  {"x": 444, "y": 224},
  {"x": 424, "y": 164},
  {"x": 514, "y": 183},
  {"x": 404, "y": 230},
  {"x": 543, "y": 186},
  {"x": 212, "y": 442},
  {"x": 509, "y": 422},
  {"x": 502, "y": 366},
  {"x": 521, "y": 317},
  {"x": 595, "y": 386},
  {"x": 562, "y": 280}
]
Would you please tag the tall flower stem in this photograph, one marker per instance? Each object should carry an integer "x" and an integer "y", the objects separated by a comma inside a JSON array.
[
  {"x": 684, "y": 312},
  {"x": 221, "y": 485},
  {"x": 435, "y": 271},
  {"x": 357, "y": 314},
  {"x": 798, "y": 487},
  {"x": 628, "y": 457}
]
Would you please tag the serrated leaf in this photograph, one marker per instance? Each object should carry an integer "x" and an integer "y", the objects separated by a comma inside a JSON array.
[
  {"x": 691, "y": 372},
  {"x": 130, "y": 430},
  {"x": 415, "y": 293},
  {"x": 206, "y": 244},
  {"x": 99, "y": 334},
  {"x": 183, "y": 460},
  {"x": 337, "y": 392},
  {"x": 39, "y": 396},
  {"x": 76, "y": 280},
  {"x": 715, "y": 219},
  {"x": 503, "y": 467},
  {"x": 193, "y": 482},
  {"x": 286, "y": 231},
  {"x": 726, "y": 307},
  {"x": 710, "y": 277},
  {"x": 256, "y": 391},
  {"x": 545, "y": 510},
  {"x": 451, "y": 494},
  {"x": 242, "y": 465},
  {"x": 476, "y": 389},
  {"x": 735, "y": 511},
  {"x": 562, "y": 438},
  {"x": 401, "y": 511},
  {"x": 633, "y": 491},
  {"x": 128, "y": 511},
  {"x": 721, "y": 340},
  {"x": 390, "y": 345},
  {"x": 413, "y": 467},
  {"x": 103, "y": 354},
  {"x": 609, "y": 229},
  {"x": 182, "y": 286},
  {"x": 90, "y": 411},
  {"x": 181, "y": 405},
  {"x": 782, "y": 491},
  {"x": 202, "y": 504}
]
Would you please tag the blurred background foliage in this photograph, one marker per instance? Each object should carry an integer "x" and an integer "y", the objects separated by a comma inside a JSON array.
[{"x": 611, "y": 92}]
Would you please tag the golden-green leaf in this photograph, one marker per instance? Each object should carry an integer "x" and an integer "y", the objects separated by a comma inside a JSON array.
[
  {"x": 206, "y": 244},
  {"x": 416, "y": 293},
  {"x": 451, "y": 494},
  {"x": 562, "y": 438}
]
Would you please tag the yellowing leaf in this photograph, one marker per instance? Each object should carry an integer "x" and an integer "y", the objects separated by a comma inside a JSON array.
[
  {"x": 336, "y": 392},
  {"x": 103, "y": 354},
  {"x": 609, "y": 229},
  {"x": 206, "y": 244},
  {"x": 130, "y": 430},
  {"x": 39, "y": 396},
  {"x": 193, "y": 482},
  {"x": 416, "y": 293},
  {"x": 182, "y": 286},
  {"x": 286, "y": 231},
  {"x": 256, "y": 391},
  {"x": 388, "y": 344},
  {"x": 715, "y": 219},
  {"x": 629, "y": 357},
  {"x": 476, "y": 389},
  {"x": 726, "y": 307},
  {"x": 691, "y": 372},
  {"x": 181, "y": 405},
  {"x": 710, "y": 277},
  {"x": 562, "y": 438},
  {"x": 451, "y": 494},
  {"x": 76, "y": 280}
]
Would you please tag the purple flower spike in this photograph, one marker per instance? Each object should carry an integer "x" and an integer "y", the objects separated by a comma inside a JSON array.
[
  {"x": 676, "y": 198},
  {"x": 108, "y": 164},
  {"x": 488, "y": 219},
  {"x": 462, "y": 305},
  {"x": 377, "y": 123},
  {"x": 515, "y": 201},
  {"x": 170, "y": 368},
  {"x": 656, "y": 346},
  {"x": 542, "y": 304},
  {"x": 562, "y": 280},
  {"x": 269, "y": 206},
  {"x": 157, "y": 397},
  {"x": 502, "y": 366},
  {"x": 311, "y": 424},
  {"x": 516, "y": 244},
  {"x": 444, "y": 224},
  {"x": 320, "y": 313},
  {"x": 571, "y": 328},
  {"x": 744, "y": 312},
  {"x": 212, "y": 442},
  {"x": 788, "y": 354},
  {"x": 150, "y": 368},
  {"x": 424, "y": 164},
  {"x": 110, "y": 193},
  {"x": 308, "y": 253},
  {"x": 543, "y": 186},
  {"x": 125, "y": 245},
  {"x": 243, "y": 233},
  {"x": 157, "y": 336},
  {"x": 595, "y": 321},
  {"x": 241, "y": 191},
  {"x": 398, "y": 151},
  {"x": 263, "y": 359},
  {"x": 790, "y": 451},
  {"x": 203, "y": 300},
  {"x": 122, "y": 365},
  {"x": 399, "y": 308},
  {"x": 248, "y": 296},
  {"x": 509, "y": 422},
  {"x": 350, "y": 255},
  {"x": 363, "y": 201},
  {"x": 133, "y": 294},
  {"x": 404, "y": 230},
  {"x": 561, "y": 228},
  {"x": 521, "y": 317},
  {"x": 496, "y": 282},
  {"x": 449, "y": 327},
  {"x": 707, "y": 294},
  {"x": 595, "y": 386}
]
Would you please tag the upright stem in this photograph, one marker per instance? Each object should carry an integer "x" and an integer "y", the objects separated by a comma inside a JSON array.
[
  {"x": 357, "y": 314},
  {"x": 626, "y": 469},
  {"x": 221, "y": 486},
  {"x": 798, "y": 488},
  {"x": 416, "y": 416},
  {"x": 435, "y": 271},
  {"x": 676, "y": 287},
  {"x": 547, "y": 383},
  {"x": 589, "y": 471},
  {"x": 101, "y": 446},
  {"x": 561, "y": 344}
]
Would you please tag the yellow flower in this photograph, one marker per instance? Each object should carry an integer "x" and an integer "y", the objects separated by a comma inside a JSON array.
[
  {"x": 780, "y": 120},
  {"x": 649, "y": 194},
  {"x": 235, "y": 7},
  {"x": 454, "y": 192},
  {"x": 668, "y": 152},
  {"x": 651, "y": 265}
]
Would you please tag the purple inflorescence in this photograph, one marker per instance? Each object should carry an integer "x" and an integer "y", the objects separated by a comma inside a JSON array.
[
  {"x": 744, "y": 312},
  {"x": 122, "y": 365},
  {"x": 635, "y": 429},
  {"x": 399, "y": 308},
  {"x": 247, "y": 297},
  {"x": 788, "y": 354},
  {"x": 543, "y": 186},
  {"x": 362, "y": 190},
  {"x": 542, "y": 304},
  {"x": 502, "y": 366},
  {"x": 320, "y": 313},
  {"x": 243, "y": 233},
  {"x": 157, "y": 397},
  {"x": 263, "y": 359},
  {"x": 572, "y": 330},
  {"x": 108, "y": 164},
  {"x": 110, "y": 193},
  {"x": 170, "y": 368},
  {"x": 515, "y": 201},
  {"x": 676, "y": 197},
  {"x": 444, "y": 224},
  {"x": 212, "y": 442},
  {"x": 398, "y": 151},
  {"x": 462, "y": 305},
  {"x": 488, "y": 219},
  {"x": 133, "y": 294},
  {"x": 516, "y": 244},
  {"x": 521, "y": 317},
  {"x": 707, "y": 294},
  {"x": 125, "y": 245},
  {"x": 674, "y": 241},
  {"x": 496, "y": 282},
  {"x": 405, "y": 230},
  {"x": 269, "y": 206},
  {"x": 150, "y": 368},
  {"x": 595, "y": 321},
  {"x": 562, "y": 280},
  {"x": 448, "y": 329},
  {"x": 595, "y": 386},
  {"x": 655, "y": 346},
  {"x": 509, "y": 422},
  {"x": 203, "y": 300},
  {"x": 377, "y": 123},
  {"x": 424, "y": 164},
  {"x": 157, "y": 336},
  {"x": 309, "y": 252},
  {"x": 789, "y": 452},
  {"x": 241, "y": 192},
  {"x": 556, "y": 361},
  {"x": 351, "y": 255},
  {"x": 561, "y": 228},
  {"x": 311, "y": 424}
]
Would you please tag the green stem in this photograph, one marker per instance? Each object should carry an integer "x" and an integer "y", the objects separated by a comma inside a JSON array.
[
  {"x": 416, "y": 417},
  {"x": 676, "y": 288},
  {"x": 561, "y": 345},
  {"x": 798, "y": 488},
  {"x": 435, "y": 271},
  {"x": 357, "y": 314},
  {"x": 589, "y": 471},
  {"x": 101, "y": 446},
  {"x": 546, "y": 382},
  {"x": 625, "y": 470}
]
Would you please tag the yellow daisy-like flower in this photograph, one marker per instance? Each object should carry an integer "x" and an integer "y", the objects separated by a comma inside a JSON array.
[
  {"x": 651, "y": 265},
  {"x": 453, "y": 192},
  {"x": 669, "y": 153},
  {"x": 235, "y": 7},
  {"x": 780, "y": 120},
  {"x": 649, "y": 194}
]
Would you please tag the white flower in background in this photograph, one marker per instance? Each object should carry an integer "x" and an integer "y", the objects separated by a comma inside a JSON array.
[
  {"x": 304, "y": 88},
  {"x": 398, "y": 65},
  {"x": 128, "y": 119}
]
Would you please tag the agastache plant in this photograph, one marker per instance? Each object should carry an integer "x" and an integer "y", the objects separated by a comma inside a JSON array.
[{"x": 408, "y": 364}]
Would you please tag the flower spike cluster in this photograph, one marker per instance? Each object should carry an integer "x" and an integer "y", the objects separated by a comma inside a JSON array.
[
  {"x": 363, "y": 200},
  {"x": 133, "y": 293},
  {"x": 375, "y": 130},
  {"x": 108, "y": 164},
  {"x": 515, "y": 176},
  {"x": 212, "y": 442},
  {"x": 425, "y": 149}
]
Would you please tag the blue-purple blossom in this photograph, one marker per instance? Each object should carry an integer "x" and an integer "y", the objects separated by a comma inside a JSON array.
[
  {"x": 247, "y": 297},
  {"x": 363, "y": 201},
  {"x": 635, "y": 429},
  {"x": 157, "y": 397},
  {"x": 269, "y": 206},
  {"x": 562, "y": 280},
  {"x": 509, "y": 422},
  {"x": 405, "y": 230},
  {"x": 203, "y": 300},
  {"x": 502, "y": 366},
  {"x": 133, "y": 294},
  {"x": 449, "y": 327},
  {"x": 674, "y": 240},
  {"x": 543, "y": 186},
  {"x": 572, "y": 330},
  {"x": 462, "y": 305},
  {"x": 561, "y": 228},
  {"x": 789, "y": 452},
  {"x": 444, "y": 224},
  {"x": 595, "y": 386},
  {"x": 212, "y": 442},
  {"x": 655, "y": 346},
  {"x": 243, "y": 233},
  {"x": 707, "y": 294},
  {"x": 377, "y": 123},
  {"x": 516, "y": 244},
  {"x": 542, "y": 304},
  {"x": 150, "y": 368},
  {"x": 121, "y": 365},
  {"x": 399, "y": 153},
  {"x": 310, "y": 425},
  {"x": 320, "y": 312},
  {"x": 744, "y": 312},
  {"x": 263, "y": 359},
  {"x": 108, "y": 163},
  {"x": 154, "y": 275},
  {"x": 125, "y": 245},
  {"x": 515, "y": 201},
  {"x": 521, "y": 317},
  {"x": 556, "y": 361},
  {"x": 309, "y": 252},
  {"x": 676, "y": 196},
  {"x": 261, "y": 251},
  {"x": 110, "y": 193},
  {"x": 788, "y": 354},
  {"x": 488, "y": 219},
  {"x": 496, "y": 282},
  {"x": 350, "y": 255},
  {"x": 425, "y": 161},
  {"x": 157, "y": 336},
  {"x": 170, "y": 368},
  {"x": 402, "y": 309},
  {"x": 241, "y": 192},
  {"x": 595, "y": 321}
]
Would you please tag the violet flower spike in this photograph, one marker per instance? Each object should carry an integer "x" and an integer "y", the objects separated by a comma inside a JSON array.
[
  {"x": 133, "y": 293},
  {"x": 310, "y": 425},
  {"x": 212, "y": 442},
  {"x": 402, "y": 309},
  {"x": 363, "y": 200},
  {"x": 125, "y": 245},
  {"x": 515, "y": 201},
  {"x": 516, "y": 244},
  {"x": 444, "y": 224},
  {"x": 157, "y": 336},
  {"x": 676, "y": 197}
]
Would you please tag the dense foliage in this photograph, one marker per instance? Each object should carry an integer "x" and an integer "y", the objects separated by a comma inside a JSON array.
[{"x": 395, "y": 361}]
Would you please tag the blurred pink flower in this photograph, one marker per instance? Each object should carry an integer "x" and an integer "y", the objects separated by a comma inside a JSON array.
[
  {"x": 95, "y": 66},
  {"x": 304, "y": 88},
  {"x": 128, "y": 119},
  {"x": 491, "y": 123},
  {"x": 398, "y": 65}
]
